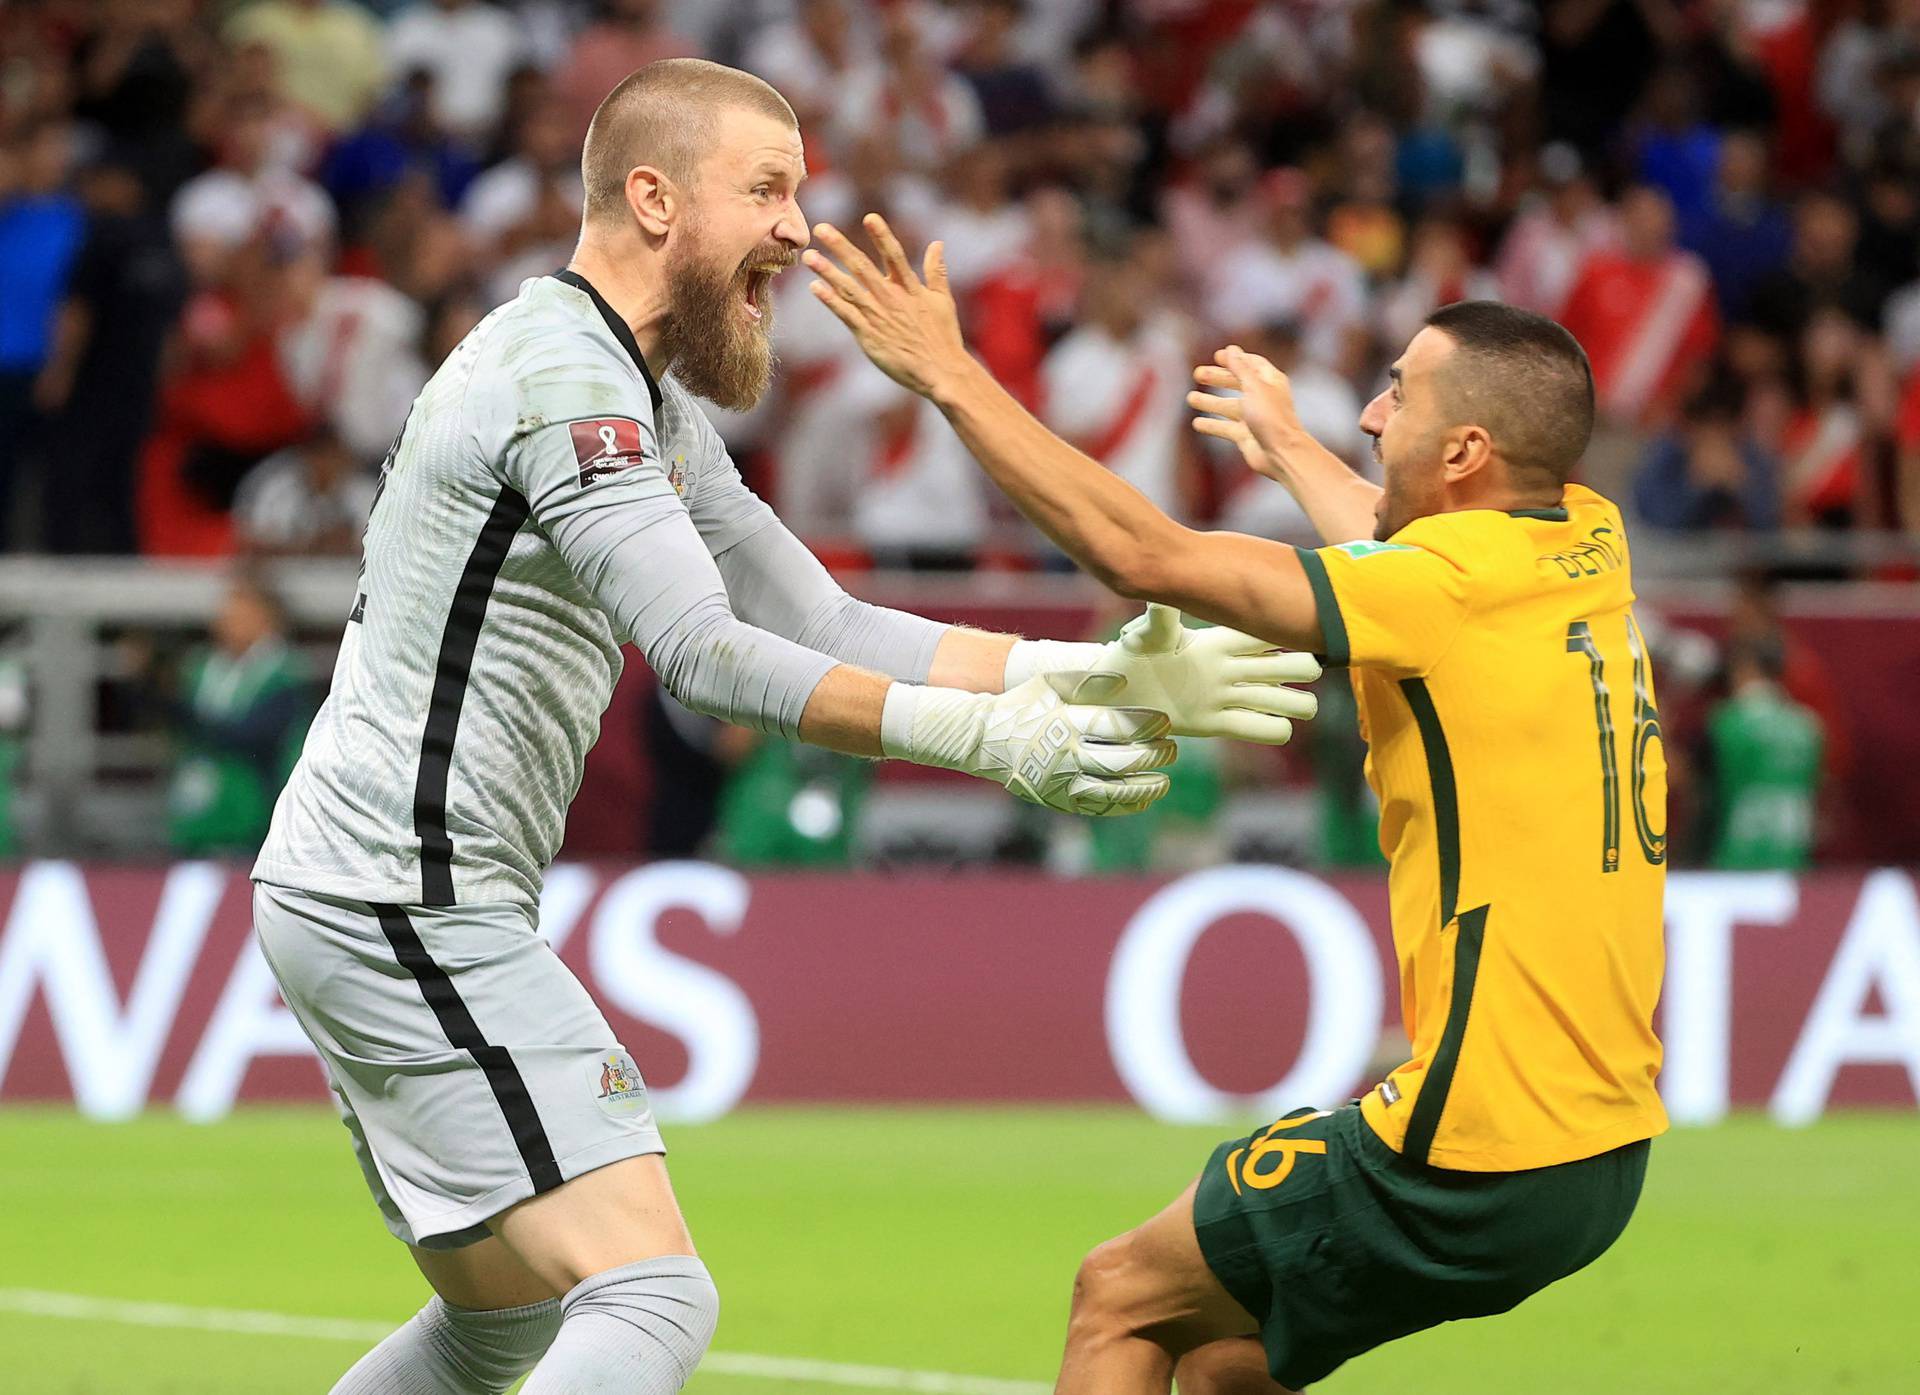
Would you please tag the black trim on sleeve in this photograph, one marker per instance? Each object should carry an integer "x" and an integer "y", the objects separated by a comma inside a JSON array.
[
  {"x": 463, "y": 1034},
  {"x": 620, "y": 328},
  {"x": 451, "y": 672},
  {"x": 1333, "y": 626}
]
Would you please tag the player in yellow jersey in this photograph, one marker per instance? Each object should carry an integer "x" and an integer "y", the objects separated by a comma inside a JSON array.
[{"x": 1485, "y": 605}]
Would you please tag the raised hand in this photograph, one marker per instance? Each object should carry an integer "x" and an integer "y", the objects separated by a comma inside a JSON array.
[
  {"x": 1261, "y": 421},
  {"x": 908, "y": 326}
]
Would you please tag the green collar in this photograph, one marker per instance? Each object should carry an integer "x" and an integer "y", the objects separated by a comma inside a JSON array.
[{"x": 1557, "y": 514}]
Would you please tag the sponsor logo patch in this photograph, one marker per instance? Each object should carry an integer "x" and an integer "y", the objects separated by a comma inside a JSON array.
[
  {"x": 607, "y": 445},
  {"x": 617, "y": 1087}
]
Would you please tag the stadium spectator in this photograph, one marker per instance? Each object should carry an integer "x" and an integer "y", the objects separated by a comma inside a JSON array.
[
  {"x": 1643, "y": 313},
  {"x": 1711, "y": 471},
  {"x": 1215, "y": 212},
  {"x": 1015, "y": 96},
  {"x": 1739, "y": 231},
  {"x": 468, "y": 48},
  {"x": 330, "y": 53},
  {"x": 249, "y": 196},
  {"x": 927, "y": 111},
  {"x": 1558, "y": 228},
  {"x": 1674, "y": 150},
  {"x": 225, "y": 406},
  {"x": 122, "y": 300},
  {"x": 921, "y": 503},
  {"x": 1289, "y": 274},
  {"x": 349, "y": 351},
  {"x": 309, "y": 500},
  {"x": 41, "y": 227},
  {"x": 401, "y": 142},
  {"x": 239, "y": 714},
  {"x": 137, "y": 78},
  {"x": 785, "y": 804},
  {"x": 530, "y": 200},
  {"x": 1820, "y": 271},
  {"x": 628, "y": 34},
  {"x": 1765, "y": 762},
  {"x": 1440, "y": 270},
  {"x": 809, "y": 58},
  {"x": 1116, "y": 386},
  {"x": 1828, "y": 433}
]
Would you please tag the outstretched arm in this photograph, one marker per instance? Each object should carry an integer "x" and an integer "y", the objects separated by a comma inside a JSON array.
[
  {"x": 910, "y": 329},
  {"x": 1216, "y": 683},
  {"x": 776, "y": 583}
]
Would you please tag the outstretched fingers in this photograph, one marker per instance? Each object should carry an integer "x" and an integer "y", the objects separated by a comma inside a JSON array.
[
  {"x": 831, "y": 276},
  {"x": 1228, "y": 407},
  {"x": 858, "y": 263},
  {"x": 1217, "y": 426},
  {"x": 1260, "y": 728},
  {"x": 892, "y": 256}
]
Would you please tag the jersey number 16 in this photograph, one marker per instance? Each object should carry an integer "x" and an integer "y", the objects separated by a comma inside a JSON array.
[{"x": 1646, "y": 731}]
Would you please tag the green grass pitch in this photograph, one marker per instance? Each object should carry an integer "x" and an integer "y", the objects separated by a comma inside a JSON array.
[{"x": 1760, "y": 1259}]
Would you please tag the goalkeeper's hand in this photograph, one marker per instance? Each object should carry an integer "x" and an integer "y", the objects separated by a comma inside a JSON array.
[
  {"x": 1212, "y": 682},
  {"x": 1039, "y": 740}
]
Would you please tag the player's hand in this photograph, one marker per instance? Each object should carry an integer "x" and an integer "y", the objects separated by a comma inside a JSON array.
[
  {"x": 1043, "y": 741},
  {"x": 908, "y": 326},
  {"x": 1212, "y": 682},
  {"x": 1261, "y": 421}
]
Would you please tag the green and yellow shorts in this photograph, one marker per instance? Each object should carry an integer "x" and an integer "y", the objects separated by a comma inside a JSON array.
[{"x": 1335, "y": 1243}]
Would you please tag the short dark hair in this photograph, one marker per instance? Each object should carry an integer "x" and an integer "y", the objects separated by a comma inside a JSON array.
[
  {"x": 663, "y": 115},
  {"x": 1522, "y": 377}
]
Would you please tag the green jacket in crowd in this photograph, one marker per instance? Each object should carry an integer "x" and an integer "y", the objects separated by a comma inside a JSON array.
[
  {"x": 1766, "y": 751},
  {"x": 240, "y": 723}
]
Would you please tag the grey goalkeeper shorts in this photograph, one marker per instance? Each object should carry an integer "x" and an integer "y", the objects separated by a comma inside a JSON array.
[{"x": 471, "y": 1067}]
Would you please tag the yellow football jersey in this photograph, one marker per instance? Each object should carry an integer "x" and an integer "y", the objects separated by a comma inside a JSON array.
[{"x": 1514, "y": 743}]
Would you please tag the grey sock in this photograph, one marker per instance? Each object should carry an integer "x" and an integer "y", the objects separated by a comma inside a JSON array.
[
  {"x": 444, "y": 1350},
  {"x": 636, "y": 1330}
]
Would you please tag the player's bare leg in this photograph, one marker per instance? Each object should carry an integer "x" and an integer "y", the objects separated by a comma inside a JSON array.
[
  {"x": 1234, "y": 1366},
  {"x": 1142, "y": 1302},
  {"x": 485, "y": 1275},
  {"x": 638, "y": 1307}
]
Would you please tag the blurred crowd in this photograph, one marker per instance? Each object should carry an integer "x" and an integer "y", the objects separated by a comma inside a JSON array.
[{"x": 237, "y": 236}]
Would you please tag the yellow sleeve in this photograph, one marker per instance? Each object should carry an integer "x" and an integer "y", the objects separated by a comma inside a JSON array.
[{"x": 1388, "y": 605}]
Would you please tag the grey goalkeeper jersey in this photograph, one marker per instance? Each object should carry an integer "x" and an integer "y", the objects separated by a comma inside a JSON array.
[{"x": 546, "y": 501}]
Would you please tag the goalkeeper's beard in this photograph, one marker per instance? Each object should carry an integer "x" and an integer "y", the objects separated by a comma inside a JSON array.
[{"x": 715, "y": 351}]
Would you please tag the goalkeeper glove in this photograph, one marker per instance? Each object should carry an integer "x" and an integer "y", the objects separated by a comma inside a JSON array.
[
  {"x": 1039, "y": 740},
  {"x": 1211, "y": 682}
]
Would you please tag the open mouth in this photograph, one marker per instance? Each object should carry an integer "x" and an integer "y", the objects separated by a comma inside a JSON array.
[{"x": 759, "y": 287}]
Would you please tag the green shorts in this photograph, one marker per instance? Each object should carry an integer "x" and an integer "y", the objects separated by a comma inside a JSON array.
[{"x": 1336, "y": 1244}]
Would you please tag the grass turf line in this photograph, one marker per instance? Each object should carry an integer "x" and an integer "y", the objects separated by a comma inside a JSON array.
[{"x": 946, "y": 1240}]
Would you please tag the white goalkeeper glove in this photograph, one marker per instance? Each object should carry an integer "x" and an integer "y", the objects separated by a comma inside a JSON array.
[
  {"x": 1212, "y": 682},
  {"x": 1036, "y": 740}
]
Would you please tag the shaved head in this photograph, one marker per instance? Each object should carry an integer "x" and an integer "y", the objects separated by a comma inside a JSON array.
[{"x": 665, "y": 115}]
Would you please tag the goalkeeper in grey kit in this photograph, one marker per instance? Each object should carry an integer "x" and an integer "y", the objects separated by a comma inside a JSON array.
[{"x": 553, "y": 496}]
